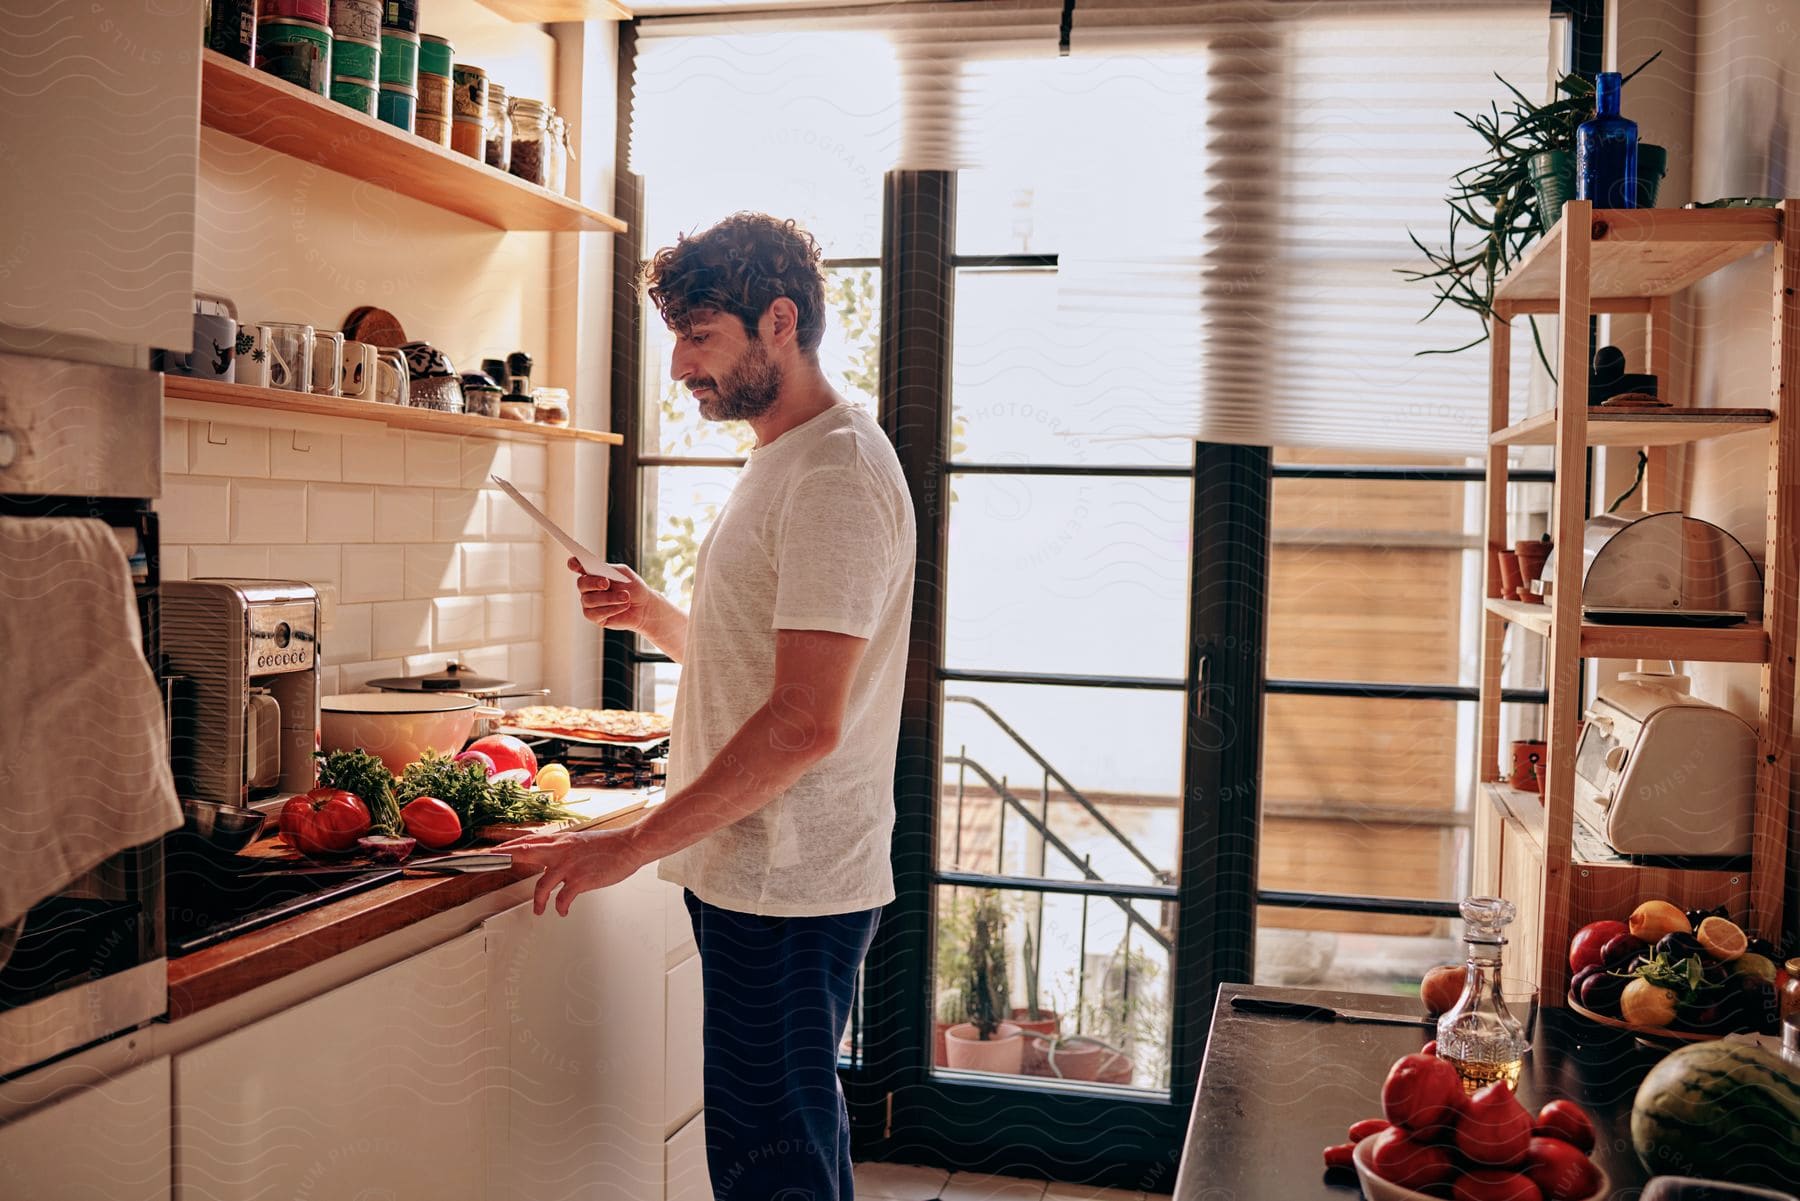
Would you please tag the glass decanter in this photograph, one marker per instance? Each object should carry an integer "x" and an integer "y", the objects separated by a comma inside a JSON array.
[{"x": 1479, "y": 1036}]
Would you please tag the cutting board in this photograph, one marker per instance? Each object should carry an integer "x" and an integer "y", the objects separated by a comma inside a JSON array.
[{"x": 591, "y": 805}]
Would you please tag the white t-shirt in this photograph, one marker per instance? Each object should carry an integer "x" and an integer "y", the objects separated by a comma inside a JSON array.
[{"x": 817, "y": 535}]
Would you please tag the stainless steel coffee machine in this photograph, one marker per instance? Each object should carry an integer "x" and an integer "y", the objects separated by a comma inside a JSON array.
[{"x": 244, "y": 657}]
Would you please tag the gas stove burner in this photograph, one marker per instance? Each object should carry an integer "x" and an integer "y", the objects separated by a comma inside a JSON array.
[
  {"x": 622, "y": 773},
  {"x": 606, "y": 765}
]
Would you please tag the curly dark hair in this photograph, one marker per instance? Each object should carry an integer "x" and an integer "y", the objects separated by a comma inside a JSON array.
[{"x": 740, "y": 266}]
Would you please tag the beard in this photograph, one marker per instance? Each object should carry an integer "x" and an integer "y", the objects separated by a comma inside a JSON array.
[{"x": 749, "y": 388}]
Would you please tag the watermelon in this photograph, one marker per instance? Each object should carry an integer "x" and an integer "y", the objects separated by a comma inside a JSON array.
[{"x": 1725, "y": 1110}]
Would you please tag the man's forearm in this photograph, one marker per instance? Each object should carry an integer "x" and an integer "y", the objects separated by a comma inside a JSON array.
[
  {"x": 668, "y": 629},
  {"x": 763, "y": 760}
]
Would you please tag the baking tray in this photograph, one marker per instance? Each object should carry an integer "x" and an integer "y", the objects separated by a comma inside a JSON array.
[{"x": 522, "y": 732}]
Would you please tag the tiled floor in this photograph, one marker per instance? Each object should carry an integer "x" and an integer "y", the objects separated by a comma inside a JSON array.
[{"x": 898, "y": 1182}]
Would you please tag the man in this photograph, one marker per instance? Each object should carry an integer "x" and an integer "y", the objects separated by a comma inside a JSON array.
[{"x": 780, "y": 792}]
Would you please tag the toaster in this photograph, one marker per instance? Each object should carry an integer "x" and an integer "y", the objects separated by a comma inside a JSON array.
[{"x": 1660, "y": 772}]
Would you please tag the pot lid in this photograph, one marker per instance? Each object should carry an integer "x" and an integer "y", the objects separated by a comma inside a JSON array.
[{"x": 454, "y": 678}]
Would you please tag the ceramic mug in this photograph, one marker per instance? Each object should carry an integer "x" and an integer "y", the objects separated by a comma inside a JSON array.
[
  {"x": 358, "y": 378},
  {"x": 328, "y": 361},
  {"x": 253, "y": 355},
  {"x": 290, "y": 355},
  {"x": 391, "y": 376}
]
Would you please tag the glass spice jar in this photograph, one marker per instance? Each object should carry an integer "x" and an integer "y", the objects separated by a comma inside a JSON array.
[
  {"x": 499, "y": 129},
  {"x": 552, "y": 405},
  {"x": 530, "y": 141},
  {"x": 556, "y": 138}
]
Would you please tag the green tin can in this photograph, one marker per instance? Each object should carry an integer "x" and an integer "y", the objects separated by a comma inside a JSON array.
[
  {"x": 358, "y": 94},
  {"x": 399, "y": 58},
  {"x": 395, "y": 105},
  {"x": 297, "y": 51},
  {"x": 436, "y": 55},
  {"x": 355, "y": 60}
]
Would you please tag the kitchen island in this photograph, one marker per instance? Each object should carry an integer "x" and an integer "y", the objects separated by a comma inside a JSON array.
[{"x": 1274, "y": 1092}]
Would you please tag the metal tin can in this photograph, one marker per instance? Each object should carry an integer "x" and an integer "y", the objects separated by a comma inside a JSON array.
[
  {"x": 433, "y": 128},
  {"x": 469, "y": 93},
  {"x": 358, "y": 94},
  {"x": 357, "y": 20},
  {"x": 434, "y": 95},
  {"x": 297, "y": 51},
  {"x": 351, "y": 59},
  {"x": 468, "y": 137},
  {"x": 401, "y": 14},
  {"x": 399, "y": 58},
  {"x": 395, "y": 105},
  {"x": 436, "y": 55},
  {"x": 314, "y": 12},
  {"x": 231, "y": 29}
]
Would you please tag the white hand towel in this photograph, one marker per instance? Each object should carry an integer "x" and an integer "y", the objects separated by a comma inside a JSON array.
[{"x": 84, "y": 762}]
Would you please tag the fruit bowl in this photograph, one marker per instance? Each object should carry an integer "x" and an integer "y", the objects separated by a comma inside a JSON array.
[
  {"x": 1377, "y": 1189},
  {"x": 1662, "y": 1035}
]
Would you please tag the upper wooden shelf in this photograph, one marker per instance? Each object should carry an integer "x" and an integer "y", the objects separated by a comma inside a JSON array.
[
  {"x": 1643, "y": 252},
  {"x": 1525, "y": 808},
  {"x": 1731, "y": 644},
  {"x": 1612, "y": 427},
  {"x": 539, "y": 12},
  {"x": 179, "y": 387},
  {"x": 271, "y": 112}
]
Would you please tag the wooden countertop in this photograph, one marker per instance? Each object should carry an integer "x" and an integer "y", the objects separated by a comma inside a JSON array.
[{"x": 229, "y": 969}]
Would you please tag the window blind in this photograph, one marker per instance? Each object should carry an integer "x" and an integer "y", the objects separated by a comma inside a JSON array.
[{"x": 1230, "y": 184}]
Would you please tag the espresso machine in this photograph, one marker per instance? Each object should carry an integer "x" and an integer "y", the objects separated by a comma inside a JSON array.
[{"x": 242, "y": 658}]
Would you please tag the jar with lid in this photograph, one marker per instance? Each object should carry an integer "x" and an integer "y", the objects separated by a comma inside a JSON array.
[
  {"x": 499, "y": 129},
  {"x": 530, "y": 141},
  {"x": 469, "y": 109},
  {"x": 1790, "y": 990},
  {"x": 552, "y": 405},
  {"x": 556, "y": 137}
]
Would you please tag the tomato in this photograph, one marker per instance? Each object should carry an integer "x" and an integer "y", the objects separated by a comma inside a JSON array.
[
  {"x": 507, "y": 753},
  {"x": 323, "y": 821},
  {"x": 432, "y": 822},
  {"x": 1567, "y": 1121},
  {"x": 1339, "y": 1156},
  {"x": 1421, "y": 1093},
  {"x": 553, "y": 778},
  {"x": 1400, "y": 1158},
  {"x": 1493, "y": 1184},
  {"x": 1561, "y": 1170},
  {"x": 1367, "y": 1128},
  {"x": 1429, "y": 1048},
  {"x": 1590, "y": 940},
  {"x": 1494, "y": 1130}
]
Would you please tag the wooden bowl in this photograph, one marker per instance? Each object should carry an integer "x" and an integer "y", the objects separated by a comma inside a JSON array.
[{"x": 1661, "y": 1034}]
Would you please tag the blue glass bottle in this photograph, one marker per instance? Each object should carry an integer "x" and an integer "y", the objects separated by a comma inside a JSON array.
[{"x": 1606, "y": 150}]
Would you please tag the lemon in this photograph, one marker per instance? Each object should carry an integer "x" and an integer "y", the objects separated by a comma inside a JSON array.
[
  {"x": 1646, "y": 1004},
  {"x": 1720, "y": 938},
  {"x": 1653, "y": 919},
  {"x": 554, "y": 778}
]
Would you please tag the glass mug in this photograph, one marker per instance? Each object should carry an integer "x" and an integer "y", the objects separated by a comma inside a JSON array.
[
  {"x": 391, "y": 387},
  {"x": 328, "y": 361},
  {"x": 290, "y": 355},
  {"x": 358, "y": 378}
]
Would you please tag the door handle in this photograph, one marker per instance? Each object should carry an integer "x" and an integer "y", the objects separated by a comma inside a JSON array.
[{"x": 1203, "y": 683}]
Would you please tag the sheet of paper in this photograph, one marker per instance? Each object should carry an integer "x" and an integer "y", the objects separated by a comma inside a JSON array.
[{"x": 591, "y": 562}]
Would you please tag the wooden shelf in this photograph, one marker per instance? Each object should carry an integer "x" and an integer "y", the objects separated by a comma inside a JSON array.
[
  {"x": 177, "y": 387},
  {"x": 1733, "y": 644},
  {"x": 1524, "y": 808},
  {"x": 1610, "y": 427},
  {"x": 539, "y": 12},
  {"x": 1643, "y": 252},
  {"x": 271, "y": 112}
]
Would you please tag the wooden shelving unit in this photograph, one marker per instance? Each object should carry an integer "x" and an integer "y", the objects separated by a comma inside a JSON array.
[
  {"x": 276, "y": 400},
  {"x": 271, "y": 112},
  {"x": 1632, "y": 261},
  {"x": 538, "y": 12}
]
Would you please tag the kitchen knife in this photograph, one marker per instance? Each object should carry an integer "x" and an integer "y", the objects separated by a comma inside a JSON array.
[
  {"x": 480, "y": 861},
  {"x": 1271, "y": 1007},
  {"x": 590, "y": 562}
]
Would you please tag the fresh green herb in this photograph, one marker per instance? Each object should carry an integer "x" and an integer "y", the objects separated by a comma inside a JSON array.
[
  {"x": 368, "y": 778},
  {"x": 1682, "y": 976},
  {"x": 478, "y": 801}
]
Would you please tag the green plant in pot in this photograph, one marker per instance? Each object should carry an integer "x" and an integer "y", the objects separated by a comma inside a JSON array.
[
  {"x": 1507, "y": 201},
  {"x": 953, "y": 929},
  {"x": 986, "y": 1042},
  {"x": 1034, "y": 1017}
]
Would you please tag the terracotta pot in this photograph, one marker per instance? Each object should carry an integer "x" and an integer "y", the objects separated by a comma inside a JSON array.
[
  {"x": 969, "y": 1052},
  {"x": 1531, "y": 566},
  {"x": 1079, "y": 1060},
  {"x": 940, "y": 1056},
  {"x": 1035, "y": 1064},
  {"x": 1494, "y": 585},
  {"x": 1509, "y": 574},
  {"x": 1529, "y": 762},
  {"x": 1115, "y": 1068}
]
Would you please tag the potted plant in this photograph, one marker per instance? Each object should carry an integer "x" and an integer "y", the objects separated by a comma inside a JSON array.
[
  {"x": 1505, "y": 202},
  {"x": 953, "y": 929},
  {"x": 1032, "y": 1018},
  {"x": 985, "y": 1043}
]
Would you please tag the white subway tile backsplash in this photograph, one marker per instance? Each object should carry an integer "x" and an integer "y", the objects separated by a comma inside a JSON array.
[
  {"x": 432, "y": 569},
  {"x": 377, "y": 457},
  {"x": 486, "y": 661},
  {"x": 355, "y": 677},
  {"x": 350, "y": 637},
  {"x": 403, "y": 515},
  {"x": 195, "y": 510},
  {"x": 341, "y": 513},
  {"x": 530, "y": 467},
  {"x": 268, "y": 511},
  {"x": 218, "y": 448},
  {"x": 510, "y": 618},
  {"x": 486, "y": 566},
  {"x": 482, "y": 457},
  {"x": 458, "y": 516},
  {"x": 425, "y": 664},
  {"x": 433, "y": 460},
  {"x": 175, "y": 446},
  {"x": 525, "y": 663},
  {"x": 317, "y": 565},
  {"x": 459, "y": 621},
  {"x": 304, "y": 455},
  {"x": 244, "y": 562},
  {"x": 174, "y": 562},
  {"x": 373, "y": 573},
  {"x": 328, "y": 680},
  {"x": 531, "y": 560},
  {"x": 506, "y": 520},
  {"x": 401, "y": 628}
]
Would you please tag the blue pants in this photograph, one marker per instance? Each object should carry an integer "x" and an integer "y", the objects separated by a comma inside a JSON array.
[{"x": 777, "y": 994}]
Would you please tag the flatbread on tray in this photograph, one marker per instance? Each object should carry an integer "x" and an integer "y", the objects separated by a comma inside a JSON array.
[{"x": 605, "y": 725}]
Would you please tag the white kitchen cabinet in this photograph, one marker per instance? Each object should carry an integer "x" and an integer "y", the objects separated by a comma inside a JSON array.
[
  {"x": 684, "y": 1164},
  {"x": 99, "y": 1144},
  {"x": 376, "y": 1090},
  {"x": 683, "y": 1080}
]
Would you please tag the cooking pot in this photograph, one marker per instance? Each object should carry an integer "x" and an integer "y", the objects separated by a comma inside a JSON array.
[
  {"x": 399, "y": 728},
  {"x": 457, "y": 678}
]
